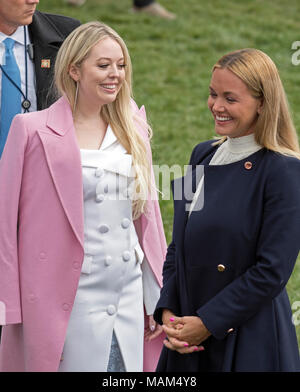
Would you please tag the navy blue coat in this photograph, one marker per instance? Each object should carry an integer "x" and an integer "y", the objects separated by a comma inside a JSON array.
[{"x": 250, "y": 225}]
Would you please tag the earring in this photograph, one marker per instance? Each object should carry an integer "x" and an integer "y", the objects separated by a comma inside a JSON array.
[{"x": 75, "y": 99}]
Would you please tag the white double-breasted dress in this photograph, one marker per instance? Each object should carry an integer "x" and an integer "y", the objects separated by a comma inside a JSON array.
[{"x": 116, "y": 280}]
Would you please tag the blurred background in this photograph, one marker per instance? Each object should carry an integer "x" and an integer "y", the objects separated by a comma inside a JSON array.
[{"x": 172, "y": 60}]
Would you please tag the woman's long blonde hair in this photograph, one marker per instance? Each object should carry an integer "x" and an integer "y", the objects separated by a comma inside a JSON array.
[
  {"x": 274, "y": 128},
  {"x": 119, "y": 114}
]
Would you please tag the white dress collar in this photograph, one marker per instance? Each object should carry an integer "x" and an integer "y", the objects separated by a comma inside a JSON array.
[
  {"x": 111, "y": 156},
  {"x": 109, "y": 138}
]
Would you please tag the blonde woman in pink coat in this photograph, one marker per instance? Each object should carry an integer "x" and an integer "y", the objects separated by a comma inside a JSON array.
[{"x": 81, "y": 236}]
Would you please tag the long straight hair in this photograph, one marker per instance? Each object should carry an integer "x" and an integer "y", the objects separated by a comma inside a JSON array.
[
  {"x": 119, "y": 114},
  {"x": 274, "y": 128}
]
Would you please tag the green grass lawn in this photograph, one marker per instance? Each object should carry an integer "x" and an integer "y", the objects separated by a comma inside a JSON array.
[{"x": 172, "y": 62}]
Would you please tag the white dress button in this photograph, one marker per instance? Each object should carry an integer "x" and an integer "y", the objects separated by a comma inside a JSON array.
[
  {"x": 103, "y": 229},
  {"x": 126, "y": 255},
  {"x": 125, "y": 223},
  {"x": 108, "y": 260},
  {"x": 111, "y": 310},
  {"x": 99, "y": 198},
  {"x": 99, "y": 172}
]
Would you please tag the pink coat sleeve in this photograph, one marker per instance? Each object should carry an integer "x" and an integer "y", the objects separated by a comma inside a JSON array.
[{"x": 11, "y": 168}]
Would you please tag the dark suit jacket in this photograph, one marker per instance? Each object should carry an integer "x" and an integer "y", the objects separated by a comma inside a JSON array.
[
  {"x": 229, "y": 264},
  {"x": 47, "y": 33}
]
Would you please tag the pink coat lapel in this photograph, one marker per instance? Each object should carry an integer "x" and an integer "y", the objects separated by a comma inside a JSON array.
[{"x": 63, "y": 158}]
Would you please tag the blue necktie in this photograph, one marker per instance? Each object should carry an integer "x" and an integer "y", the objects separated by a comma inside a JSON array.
[{"x": 10, "y": 95}]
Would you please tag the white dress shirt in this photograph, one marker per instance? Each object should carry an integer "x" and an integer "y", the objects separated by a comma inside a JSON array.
[{"x": 20, "y": 52}]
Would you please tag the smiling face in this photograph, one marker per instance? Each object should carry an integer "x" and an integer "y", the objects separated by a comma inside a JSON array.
[
  {"x": 15, "y": 13},
  {"x": 234, "y": 109},
  {"x": 101, "y": 74}
]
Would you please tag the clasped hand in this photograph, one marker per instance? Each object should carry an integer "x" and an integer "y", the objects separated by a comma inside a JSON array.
[{"x": 185, "y": 334}]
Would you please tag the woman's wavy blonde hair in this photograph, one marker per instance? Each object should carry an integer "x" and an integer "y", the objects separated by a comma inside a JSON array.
[
  {"x": 119, "y": 114},
  {"x": 274, "y": 128}
]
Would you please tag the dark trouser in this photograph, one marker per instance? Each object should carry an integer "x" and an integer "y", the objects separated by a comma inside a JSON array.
[{"x": 142, "y": 3}]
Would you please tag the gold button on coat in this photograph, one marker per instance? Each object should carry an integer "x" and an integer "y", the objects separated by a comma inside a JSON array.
[{"x": 221, "y": 267}]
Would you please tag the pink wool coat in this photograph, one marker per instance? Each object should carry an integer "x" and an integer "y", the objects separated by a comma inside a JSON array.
[{"x": 41, "y": 238}]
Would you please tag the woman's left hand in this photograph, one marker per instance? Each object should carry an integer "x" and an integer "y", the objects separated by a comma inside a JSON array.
[
  {"x": 153, "y": 330},
  {"x": 192, "y": 330}
]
